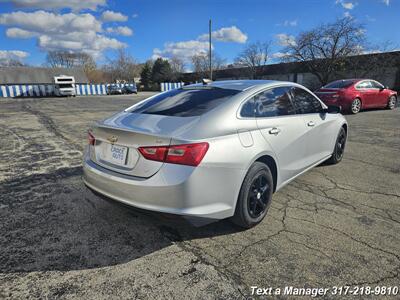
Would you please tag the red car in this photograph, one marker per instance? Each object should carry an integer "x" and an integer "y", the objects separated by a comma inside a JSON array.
[{"x": 356, "y": 94}]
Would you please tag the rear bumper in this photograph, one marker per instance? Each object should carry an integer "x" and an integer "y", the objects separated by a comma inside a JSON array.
[
  {"x": 183, "y": 190},
  {"x": 343, "y": 103}
]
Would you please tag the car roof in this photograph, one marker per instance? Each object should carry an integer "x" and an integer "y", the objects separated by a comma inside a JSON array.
[{"x": 240, "y": 85}]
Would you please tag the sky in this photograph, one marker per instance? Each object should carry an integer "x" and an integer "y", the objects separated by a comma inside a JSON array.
[{"x": 149, "y": 29}]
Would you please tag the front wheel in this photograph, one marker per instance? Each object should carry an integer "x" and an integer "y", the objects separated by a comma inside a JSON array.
[
  {"x": 355, "y": 106},
  {"x": 340, "y": 144},
  {"x": 255, "y": 196},
  {"x": 392, "y": 102}
]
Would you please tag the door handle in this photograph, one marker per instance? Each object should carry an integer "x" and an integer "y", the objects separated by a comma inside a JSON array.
[
  {"x": 311, "y": 124},
  {"x": 274, "y": 131}
]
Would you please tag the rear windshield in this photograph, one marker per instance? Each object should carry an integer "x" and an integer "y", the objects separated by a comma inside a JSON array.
[
  {"x": 185, "y": 102},
  {"x": 340, "y": 84}
]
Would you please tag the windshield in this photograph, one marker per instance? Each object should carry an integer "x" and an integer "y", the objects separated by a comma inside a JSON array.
[
  {"x": 65, "y": 86},
  {"x": 340, "y": 84},
  {"x": 185, "y": 102}
]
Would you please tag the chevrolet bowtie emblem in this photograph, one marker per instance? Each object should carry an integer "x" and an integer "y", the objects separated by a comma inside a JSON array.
[{"x": 112, "y": 139}]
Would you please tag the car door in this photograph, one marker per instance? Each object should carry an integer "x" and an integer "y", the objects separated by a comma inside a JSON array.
[
  {"x": 367, "y": 93},
  {"x": 381, "y": 96},
  {"x": 282, "y": 129},
  {"x": 320, "y": 127}
]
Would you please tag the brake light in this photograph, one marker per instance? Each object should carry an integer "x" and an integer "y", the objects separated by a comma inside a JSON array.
[
  {"x": 187, "y": 154},
  {"x": 156, "y": 153},
  {"x": 91, "y": 139}
]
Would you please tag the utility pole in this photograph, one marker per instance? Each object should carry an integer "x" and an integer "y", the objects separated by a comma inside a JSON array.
[{"x": 209, "y": 51}]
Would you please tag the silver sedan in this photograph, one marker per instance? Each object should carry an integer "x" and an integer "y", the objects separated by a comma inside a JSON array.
[{"x": 213, "y": 150}]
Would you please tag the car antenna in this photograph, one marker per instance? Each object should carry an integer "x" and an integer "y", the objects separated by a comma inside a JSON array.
[{"x": 206, "y": 81}]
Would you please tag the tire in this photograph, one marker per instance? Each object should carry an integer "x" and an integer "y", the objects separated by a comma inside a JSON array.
[
  {"x": 355, "y": 106},
  {"x": 392, "y": 101},
  {"x": 255, "y": 196},
  {"x": 338, "y": 151}
]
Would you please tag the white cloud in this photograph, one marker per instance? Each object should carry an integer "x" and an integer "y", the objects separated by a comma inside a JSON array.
[
  {"x": 17, "y": 33},
  {"x": 287, "y": 23},
  {"x": 386, "y": 2},
  {"x": 346, "y": 5},
  {"x": 226, "y": 34},
  {"x": 346, "y": 14},
  {"x": 75, "y": 5},
  {"x": 369, "y": 18},
  {"x": 47, "y": 22},
  {"x": 112, "y": 16},
  {"x": 135, "y": 16},
  {"x": 279, "y": 55},
  {"x": 9, "y": 55},
  {"x": 71, "y": 32},
  {"x": 120, "y": 30},
  {"x": 285, "y": 39},
  {"x": 184, "y": 50},
  {"x": 13, "y": 54}
]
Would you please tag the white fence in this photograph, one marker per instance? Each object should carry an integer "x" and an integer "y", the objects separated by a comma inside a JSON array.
[
  {"x": 46, "y": 90},
  {"x": 166, "y": 86}
]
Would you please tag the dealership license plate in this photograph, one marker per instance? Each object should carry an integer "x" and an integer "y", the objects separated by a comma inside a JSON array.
[{"x": 115, "y": 154}]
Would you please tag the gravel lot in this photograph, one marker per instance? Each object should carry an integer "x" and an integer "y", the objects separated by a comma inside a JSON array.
[{"x": 334, "y": 226}]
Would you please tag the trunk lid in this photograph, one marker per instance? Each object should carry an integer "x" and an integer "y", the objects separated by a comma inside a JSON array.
[
  {"x": 119, "y": 137},
  {"x": 328, "y": 94}
]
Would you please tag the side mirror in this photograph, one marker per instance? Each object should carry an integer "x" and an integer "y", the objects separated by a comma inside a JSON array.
[{"x": 332, "y": 109}]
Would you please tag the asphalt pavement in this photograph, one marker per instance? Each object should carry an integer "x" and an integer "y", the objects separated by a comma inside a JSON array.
[{"x": 333, "y": 226}]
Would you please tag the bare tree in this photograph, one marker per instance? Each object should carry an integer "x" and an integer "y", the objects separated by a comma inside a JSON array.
[
  {"x": 123, "y": 67},
  {"x": 201, "y": 63},
  {"x": 325, "y": 48},
  {"x": 177, "y": 64},
  {"x": 254, "y": 56},
  {"x": 66, "y": 59}
]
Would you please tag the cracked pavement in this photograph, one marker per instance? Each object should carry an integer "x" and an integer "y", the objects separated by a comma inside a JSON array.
[{"x": 333, "y": 226}]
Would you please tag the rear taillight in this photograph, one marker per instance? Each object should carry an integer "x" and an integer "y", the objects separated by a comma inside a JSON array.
[
  {"x": 187, "y": 154},
  {"x": 91, "y": 139},
  {"x": 154, "y": 153}
]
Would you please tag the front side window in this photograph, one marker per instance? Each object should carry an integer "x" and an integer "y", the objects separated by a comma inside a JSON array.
[
  {"x": 185, "y": 102},
  {"x": 376, "y": 85},
  {"x": 304, "y": 102},
  {"x": 274, "y": 102}
]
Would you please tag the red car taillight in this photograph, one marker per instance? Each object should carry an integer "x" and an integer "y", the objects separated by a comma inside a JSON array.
[
  {"x": 91, "y": 139},
  {"x": 187, "y": 154}
]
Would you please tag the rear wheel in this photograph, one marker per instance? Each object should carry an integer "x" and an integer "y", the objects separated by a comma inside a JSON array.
[
  {"x": 355, "y": 106},
  {"x": 392, "y": 102},
  {"x": 254, "y": 197},
  {"x": 340, "y": 144}
]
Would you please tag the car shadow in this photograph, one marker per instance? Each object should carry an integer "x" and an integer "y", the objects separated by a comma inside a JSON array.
[{"x": 52, "y": 222}]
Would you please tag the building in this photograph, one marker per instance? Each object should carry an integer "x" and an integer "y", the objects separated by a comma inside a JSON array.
[
  {"x": 33, "y": 75},
  {"x": 384, "y": 67}
]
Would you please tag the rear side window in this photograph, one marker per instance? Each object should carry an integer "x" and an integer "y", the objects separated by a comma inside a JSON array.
[
  {"x": 185, "y": 102},
  {"x": 274, "y": 102},
  {"x": 304, "y": 102},
  {"x": 340, "y": 84},
  {"x": 248, "y": 109},
  {"x": 364, "y": 85}
]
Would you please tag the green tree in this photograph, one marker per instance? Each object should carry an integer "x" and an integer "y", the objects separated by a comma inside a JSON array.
[
  {"x": 146, "y": 75},
  {"x": 162, "y": 71}
]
